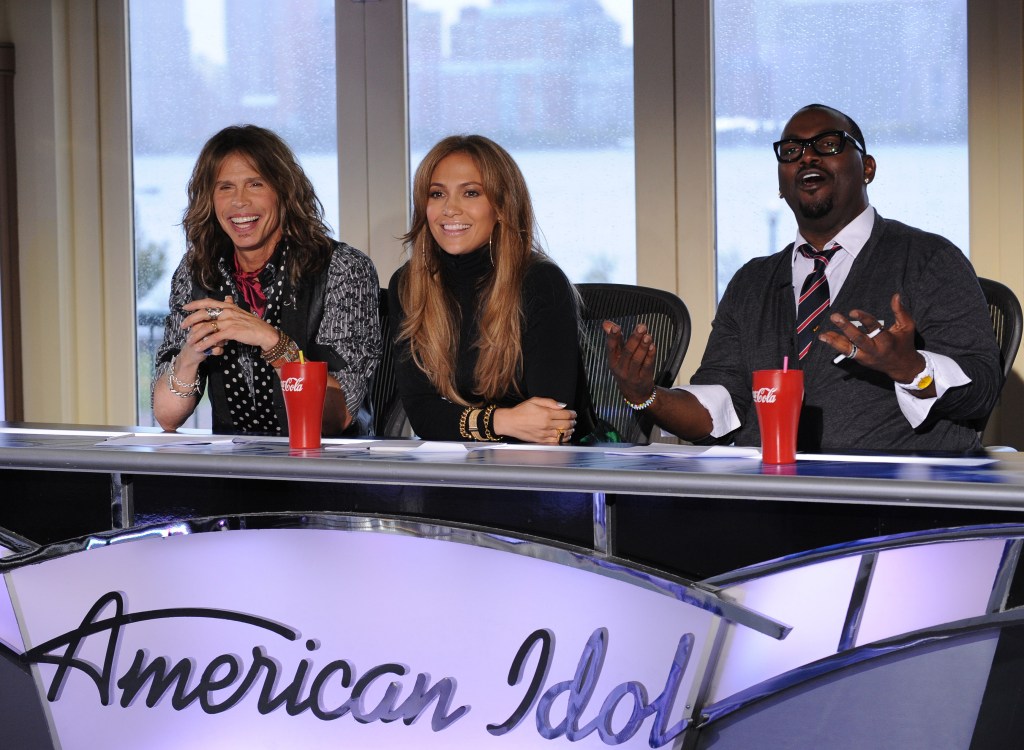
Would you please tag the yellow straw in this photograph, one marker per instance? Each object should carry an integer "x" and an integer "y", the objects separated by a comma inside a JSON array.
[{"x": 302, "y": 358}]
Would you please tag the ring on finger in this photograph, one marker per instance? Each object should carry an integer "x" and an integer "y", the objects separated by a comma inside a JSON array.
[
  {"x": 561, "y": 435},
  {"x": 215, "y": 326},
  {"x": 853, "y": 351},
  {"x": 214, "y": 312}
]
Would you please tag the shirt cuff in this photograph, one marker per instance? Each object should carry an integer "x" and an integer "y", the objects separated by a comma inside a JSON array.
[
  {"x": 947, "y": 374},
  {"x": 718, "y": 402}
]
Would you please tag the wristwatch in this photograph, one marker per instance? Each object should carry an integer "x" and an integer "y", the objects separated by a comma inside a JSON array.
[{"x": 924, "y": 378}]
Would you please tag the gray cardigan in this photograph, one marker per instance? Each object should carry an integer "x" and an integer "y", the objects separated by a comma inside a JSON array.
[{"x": 848, "y": 407}]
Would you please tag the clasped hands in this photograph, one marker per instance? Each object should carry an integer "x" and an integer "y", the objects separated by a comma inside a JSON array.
[
  {"x": 536, "y": 420},
  {"x": 211, "y": 323}
]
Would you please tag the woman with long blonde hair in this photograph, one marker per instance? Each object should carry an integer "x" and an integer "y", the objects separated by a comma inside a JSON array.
[{"x": 486, "y": 324}]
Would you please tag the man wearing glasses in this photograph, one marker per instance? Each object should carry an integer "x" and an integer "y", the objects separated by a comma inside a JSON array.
[{"x": 912, "y": 365}]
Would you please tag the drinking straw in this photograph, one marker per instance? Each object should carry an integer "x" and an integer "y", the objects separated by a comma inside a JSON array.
[{"x": 785, "y": 363}]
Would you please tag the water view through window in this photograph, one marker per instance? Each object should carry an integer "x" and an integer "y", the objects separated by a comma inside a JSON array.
[
  {"x": 552, "y": 82},
  {"x": 898, "y": 68},
  {"x": 196, "y": 67}
]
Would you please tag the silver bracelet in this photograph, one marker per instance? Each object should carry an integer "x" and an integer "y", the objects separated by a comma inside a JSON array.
[
  {"x": 190, "y": 389},
  {"x": 643, "y": 405}
]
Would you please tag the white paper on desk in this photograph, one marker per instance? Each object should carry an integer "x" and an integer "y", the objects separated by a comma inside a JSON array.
[
  {"x": 346, "y": 444},
  {"x": 526, "y": 447},
  {"x": 428, "y": 446},
  {"x": 157, "y": 439},
  {"x": 53, "y": 431},
  {"x": 687, "y": 451},
  {"x": 881, "y": 459}
]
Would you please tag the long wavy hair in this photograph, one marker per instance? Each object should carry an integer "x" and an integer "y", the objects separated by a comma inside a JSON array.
[
  {"x": 432, "y": 321},
  {"x": 302, "y": 213}
]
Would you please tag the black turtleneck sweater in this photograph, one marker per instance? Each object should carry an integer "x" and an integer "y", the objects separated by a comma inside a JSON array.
[{"x": 549, "y": 339}]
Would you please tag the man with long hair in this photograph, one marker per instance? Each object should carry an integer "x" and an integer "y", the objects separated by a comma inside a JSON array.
[{"x": 260, "y": 281}]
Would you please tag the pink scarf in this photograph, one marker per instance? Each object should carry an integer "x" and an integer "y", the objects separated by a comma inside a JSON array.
[{"x": 248, "y": 284}]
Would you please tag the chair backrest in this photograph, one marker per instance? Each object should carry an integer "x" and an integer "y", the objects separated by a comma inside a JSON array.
[
  {"x": 388, "y": 414},
  {"x": 1007, "y": 323},
  {"x": 668, "y": 321},
  {"x": 1007, "y": 320}
]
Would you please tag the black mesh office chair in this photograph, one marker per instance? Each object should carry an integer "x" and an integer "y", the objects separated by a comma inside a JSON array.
[
  {"x": 1007, "y": 323},
  {"x": 388, "y": 414},
  {"x": 1007, "y": 320},
  {"x": 668, "y": 321}
]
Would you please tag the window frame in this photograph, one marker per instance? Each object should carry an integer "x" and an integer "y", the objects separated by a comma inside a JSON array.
[{"x": 74, "y": 207}]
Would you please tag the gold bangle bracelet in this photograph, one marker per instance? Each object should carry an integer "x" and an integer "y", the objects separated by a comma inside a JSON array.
[{"x": 474, "y": 423}]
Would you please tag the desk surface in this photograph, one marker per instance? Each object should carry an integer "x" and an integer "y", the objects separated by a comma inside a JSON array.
[
  {"x": 992, "y": 482},
  {"x": 675, "y": 508}
]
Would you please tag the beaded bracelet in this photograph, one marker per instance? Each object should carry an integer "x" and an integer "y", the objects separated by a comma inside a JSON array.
[
  {"x": 643, "y": 405},
  {"x": 285, "y": 350},
  {"x": 277, "y": 349},
  {"x": 291, "y": 354}
]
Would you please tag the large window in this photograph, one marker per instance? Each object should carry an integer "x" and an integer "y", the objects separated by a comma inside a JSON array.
[
  {"x": 899, "y": 68},
  {"x": 196, "y": 67},
  {"x": 551, "y": 81}
]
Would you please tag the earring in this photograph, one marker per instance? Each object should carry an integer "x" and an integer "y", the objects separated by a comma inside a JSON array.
[
  {"x": 780, "y": 195},
  {"x": 867, "y": 180}
]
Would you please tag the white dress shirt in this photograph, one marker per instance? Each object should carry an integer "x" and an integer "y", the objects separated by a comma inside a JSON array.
[{"x": 851, "y": 239}]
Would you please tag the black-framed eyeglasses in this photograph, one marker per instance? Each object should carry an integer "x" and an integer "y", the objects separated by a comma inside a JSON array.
[{"x": 828, "y": 143}]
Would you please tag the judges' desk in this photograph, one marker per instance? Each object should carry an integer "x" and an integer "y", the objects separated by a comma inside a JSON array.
[
  {"x": 503, "y": 596},
  {"x": 682, "y": 509}
]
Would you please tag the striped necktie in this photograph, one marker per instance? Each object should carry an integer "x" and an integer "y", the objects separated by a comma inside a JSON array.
[{"x": 814, "y": 298}]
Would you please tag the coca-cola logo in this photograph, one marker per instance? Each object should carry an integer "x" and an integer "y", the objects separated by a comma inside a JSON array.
[
  {"x": 765, "y": 395},
  {"x": 292, "y": 384}
]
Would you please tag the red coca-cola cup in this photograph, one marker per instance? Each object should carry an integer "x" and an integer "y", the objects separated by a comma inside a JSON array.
[
  {"x": 778, "y": 396},
  {"x": 304, "y": 385}
]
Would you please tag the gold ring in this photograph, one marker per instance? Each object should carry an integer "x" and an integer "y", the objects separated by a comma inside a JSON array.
[
  {"x": 561, "y": 435},
  {"x": 215, "y": 326}
]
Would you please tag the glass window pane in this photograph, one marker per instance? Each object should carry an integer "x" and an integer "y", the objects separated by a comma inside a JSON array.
[
  {"x": 898, "y": 68},
  {"x": 552, "y": 82},
  {"x": 196, "y": 67}
]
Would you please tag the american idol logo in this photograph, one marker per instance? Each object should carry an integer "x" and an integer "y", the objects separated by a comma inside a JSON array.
[
  {"x": 254, "y": 670},
  {"x": 292, "y": 384},
  {"x": 765, "y": 395}
]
